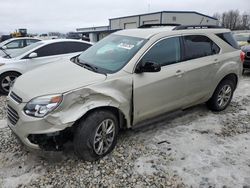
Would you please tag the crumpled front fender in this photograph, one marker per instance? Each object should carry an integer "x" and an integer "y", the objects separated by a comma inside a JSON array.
[{"x": 115, "y": 93}]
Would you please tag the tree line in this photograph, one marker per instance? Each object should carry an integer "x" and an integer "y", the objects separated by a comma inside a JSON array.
[{"x": 234, "y": 20}]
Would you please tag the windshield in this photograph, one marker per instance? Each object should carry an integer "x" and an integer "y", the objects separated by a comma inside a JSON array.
[
  {"x": 25, "y": 49},
  {"x": 112, "y": 53},
  {"x": 242, "y": 37}
]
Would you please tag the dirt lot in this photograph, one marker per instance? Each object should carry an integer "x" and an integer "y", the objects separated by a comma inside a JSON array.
[{"x": 195, "y": 148}]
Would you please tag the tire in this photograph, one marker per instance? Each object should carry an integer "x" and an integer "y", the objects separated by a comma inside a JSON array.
[
  {"x": 7, "y": 80},
  {"x": 89, "y": 130},
  {"x": 222, "y": 95}
]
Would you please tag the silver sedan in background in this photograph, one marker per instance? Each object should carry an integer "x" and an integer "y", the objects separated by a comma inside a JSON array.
[{"x": 35, "y": 55}]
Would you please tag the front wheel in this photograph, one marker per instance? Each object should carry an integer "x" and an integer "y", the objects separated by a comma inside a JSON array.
[
  {"x": 96, "y": 135},
  {"x": 222, "y": 96},
  {"x": 7, "y": 80}
]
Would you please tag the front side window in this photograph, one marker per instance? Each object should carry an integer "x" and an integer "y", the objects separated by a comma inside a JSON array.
[
  {"x": 112, "y": 53},
  {"x": 15, "y": 44},
  {"x": 197, "y": 46},
  {"x": 165, "y": 52},
  {"x": 50, "y": 49},
  {"x": 25, "y": 50}
]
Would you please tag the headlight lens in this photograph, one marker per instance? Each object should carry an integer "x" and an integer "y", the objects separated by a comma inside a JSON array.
[{"x": 41, "y": 106}]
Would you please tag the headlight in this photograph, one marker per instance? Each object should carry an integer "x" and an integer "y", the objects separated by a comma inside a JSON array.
[{"x": 41, "y": 106}]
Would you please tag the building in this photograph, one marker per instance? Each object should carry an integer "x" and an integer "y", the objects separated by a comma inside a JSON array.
[{"x": 164, "y": 17}]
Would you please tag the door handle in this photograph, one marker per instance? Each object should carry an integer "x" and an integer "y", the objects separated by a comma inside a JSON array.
[
  {"x": 179, "y": 73},
  {"x": 216, "y": 61}
]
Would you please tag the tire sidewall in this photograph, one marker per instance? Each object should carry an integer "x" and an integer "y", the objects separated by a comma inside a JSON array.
[{"x": 85, "y": 133}]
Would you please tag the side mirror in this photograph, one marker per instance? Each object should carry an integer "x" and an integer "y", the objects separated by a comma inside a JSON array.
[
  {"x": 33, "y": 55},
  {"x": 248, "y": 40},
  {"x": 4, "y": 47},
  {"x": 148, "y": 67}
]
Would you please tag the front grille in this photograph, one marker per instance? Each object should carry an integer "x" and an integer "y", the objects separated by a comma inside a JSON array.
[
  {"x": 12, "y": 115},
  {"x": 15, "y": 97}
]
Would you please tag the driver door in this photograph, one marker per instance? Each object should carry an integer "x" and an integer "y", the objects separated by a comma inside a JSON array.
[{"x": 158, "y": 92}]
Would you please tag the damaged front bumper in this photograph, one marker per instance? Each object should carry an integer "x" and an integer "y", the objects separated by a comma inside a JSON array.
[{"x": 36, "y": 133}]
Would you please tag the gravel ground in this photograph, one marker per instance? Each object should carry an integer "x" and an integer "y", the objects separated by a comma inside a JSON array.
[{"x": 193, "y": 148}]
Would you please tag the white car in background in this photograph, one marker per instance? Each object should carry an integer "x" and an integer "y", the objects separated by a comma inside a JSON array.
[
  {"x": 35, "y": 55},
  {"x": 14, "y": 44}
]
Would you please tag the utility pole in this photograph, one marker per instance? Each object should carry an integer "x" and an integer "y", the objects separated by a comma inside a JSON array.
[{"x": 149, "y": 6}]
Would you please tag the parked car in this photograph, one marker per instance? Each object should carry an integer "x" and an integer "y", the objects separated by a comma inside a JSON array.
[
  {"x": 126, "y": 78},
  {"x": 246, "y": 58},
  {"x": 14, "y": 44},
  {"x": 36, "y": 55},
  {"x": 243, "y": 39}
]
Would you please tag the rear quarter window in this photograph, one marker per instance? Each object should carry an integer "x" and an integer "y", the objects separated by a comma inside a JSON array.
[
  {"x": 197, "y": 46},
  {"x": 228, "y": 38}
]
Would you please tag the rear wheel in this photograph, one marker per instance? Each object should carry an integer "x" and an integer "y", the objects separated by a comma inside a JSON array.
[
  {"x": 7, "y": 80},
  {"x": 222, "y": 96},
  {"x": 96, "y": 135}
]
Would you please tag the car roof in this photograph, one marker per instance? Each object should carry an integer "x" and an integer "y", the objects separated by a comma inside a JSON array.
[
  {"x": 62, "y": 40},
  {"x": 147, "y": 33},
  {"x": 12, "y": 39}
]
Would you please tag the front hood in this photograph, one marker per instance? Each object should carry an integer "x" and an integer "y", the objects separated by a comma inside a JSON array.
[
  {"x": 5, "y": 60},
  {"x": 54, "y": 78}
]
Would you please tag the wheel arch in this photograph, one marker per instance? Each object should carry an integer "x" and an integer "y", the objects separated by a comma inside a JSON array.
[
  {"x": 10, "y": 71},
  {"x": 230, "y": 76},
  {"x": 116, "y": 111}
]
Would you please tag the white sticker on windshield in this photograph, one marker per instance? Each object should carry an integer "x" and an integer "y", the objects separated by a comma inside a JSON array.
[{"x": 126, "y": 46}]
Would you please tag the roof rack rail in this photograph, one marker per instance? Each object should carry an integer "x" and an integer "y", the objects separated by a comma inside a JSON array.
[
  {"x": 157, "y": 25},
  {"x": 183, "y": 27}
]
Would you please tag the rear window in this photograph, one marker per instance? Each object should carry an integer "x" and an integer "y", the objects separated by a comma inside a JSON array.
[{"x": 228, "y": 38}]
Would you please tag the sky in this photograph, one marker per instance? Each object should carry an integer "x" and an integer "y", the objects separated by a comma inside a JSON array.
[{"x": 41, "y": 16}]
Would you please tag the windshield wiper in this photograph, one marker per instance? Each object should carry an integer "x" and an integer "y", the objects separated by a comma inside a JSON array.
[
  {"x": 88, "y": 66},
  {"x": 7, "y": 55}
]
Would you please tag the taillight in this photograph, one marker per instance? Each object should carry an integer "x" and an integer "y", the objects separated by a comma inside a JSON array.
[{"x": 242, "y": 56}]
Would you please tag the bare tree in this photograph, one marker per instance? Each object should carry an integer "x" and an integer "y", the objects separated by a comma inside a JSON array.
[
  {"x": 233, "y": 20},
  {"x": 245, "y": 21}
]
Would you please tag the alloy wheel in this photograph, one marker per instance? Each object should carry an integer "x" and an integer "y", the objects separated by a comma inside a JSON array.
[
  {"x": 8, "y": 82},
  {"x": 104, "y": 136},
  {"x": 224, "y": 96}
]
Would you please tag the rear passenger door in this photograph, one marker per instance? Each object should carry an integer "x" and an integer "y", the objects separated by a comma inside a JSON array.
[{"x": 201, "y": 59}]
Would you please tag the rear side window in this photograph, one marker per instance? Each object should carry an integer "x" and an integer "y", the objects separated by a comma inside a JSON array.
[
  {"x": 71, "y": 47},
  {"x": 228, "y": 38},
  {"x": 31, "y": 41},
  {"x": 165, "y": 52},
  {"x": 197, "y": 46}
]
